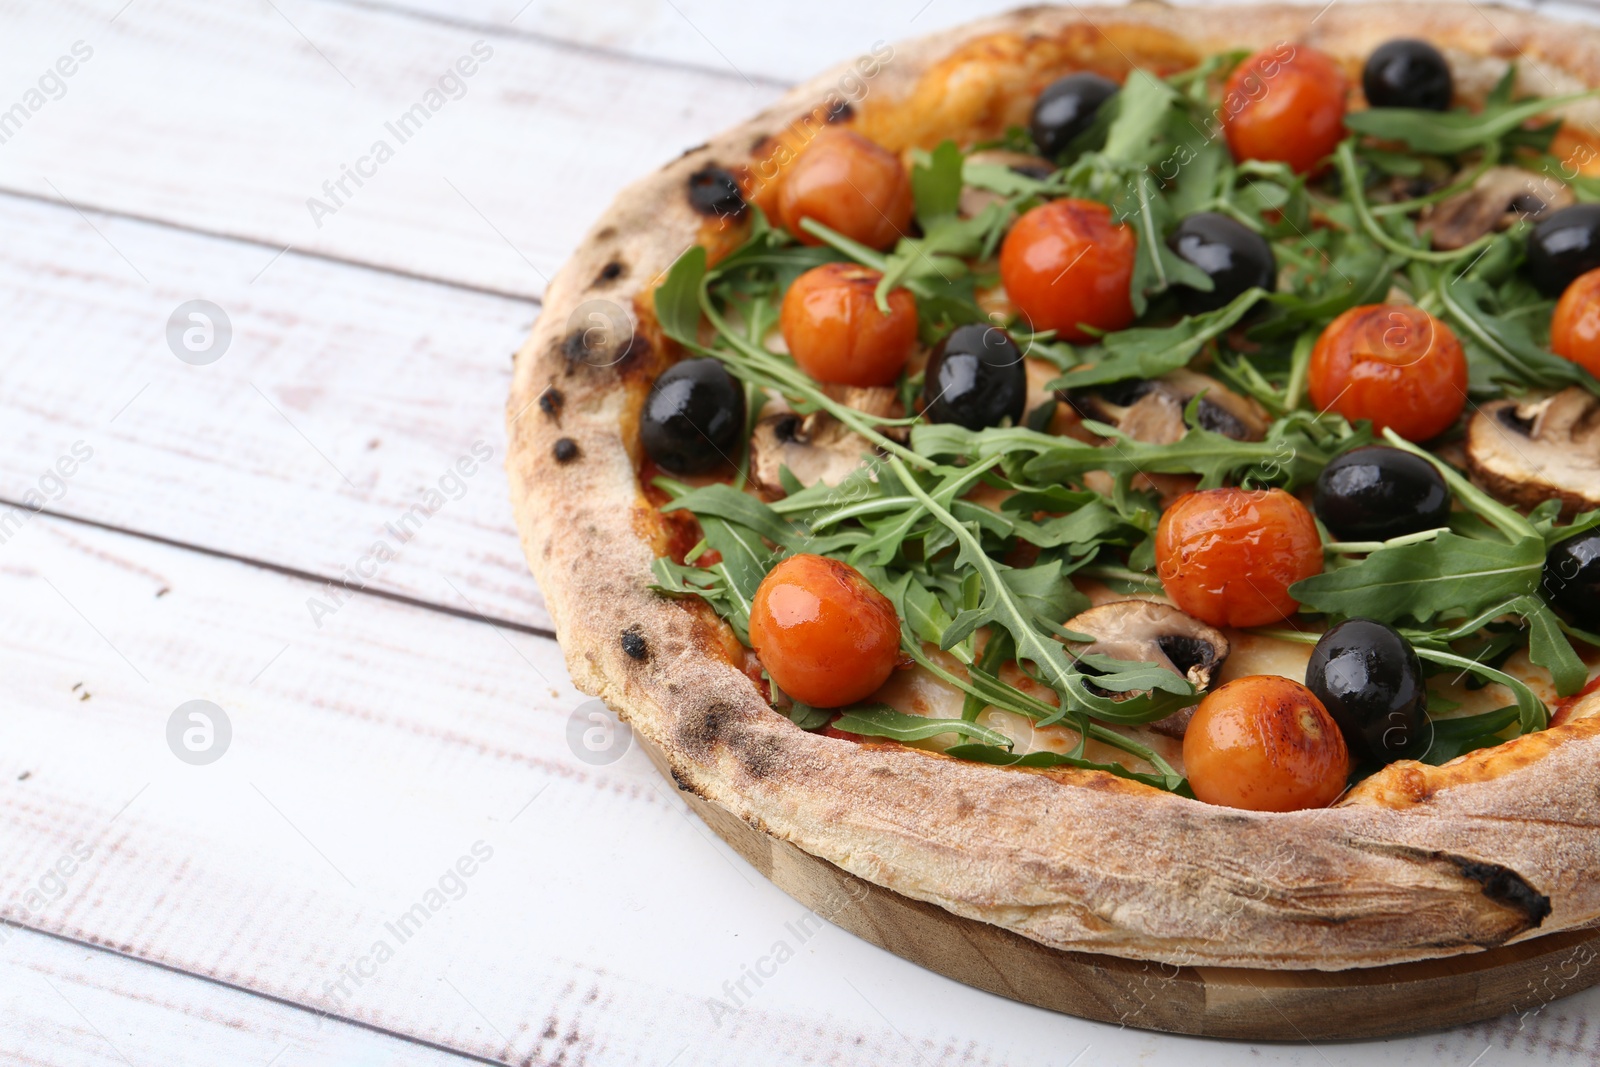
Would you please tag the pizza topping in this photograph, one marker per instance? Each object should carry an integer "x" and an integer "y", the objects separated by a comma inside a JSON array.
[
  {"x": 1066, "y": 109},
  {"x": 1067, "y": 265},
  {"x": 1148, "y": 631},
  {"x": 1241, "y": 322},
  {"x": 815, "y": 449},
  {"x": 1228, "y": 556},
  {"x": 1575, "y": 326},
  {"x": 1526, "y": 452},
  {"x": 1265, "y": 743},
  {"x": 835, "y": 332},
  {"x": 1370, "y": 680},
  {"x": 1408, "y": 73},
  {"x": 1394, "y": 364},
  {"x": 1377, "y": 493},
  {"x": 693, "y": 417},
  {"x": 1290, "y": 107},
  {"x": 1572, "y": 578},
  {"x": 850, "y": 185},
  {"x": 975, "y": 378},
  {"x": 1564, "y": 246},
  {"x": 1155, "y": 411},
  {"x": 1235, "y": 258},
  {"x": 1497, "y": 199},
  {"x": 826, "y": 637}
]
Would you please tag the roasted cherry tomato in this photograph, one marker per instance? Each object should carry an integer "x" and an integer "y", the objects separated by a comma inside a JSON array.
[
  {"x": 1285, "y": 105},
  {"x": 1394, "y": 364},
  {"x": 834, "y": 330},
  {"x": 1229, "y": 556},
  {"x": 849, "y": 184},
  {"x": 1575, "y": 328},
  {"x": 1265, "y": 743},
  {"x": 823, "y": 632},
  {"x": 1066, "y": 264}
]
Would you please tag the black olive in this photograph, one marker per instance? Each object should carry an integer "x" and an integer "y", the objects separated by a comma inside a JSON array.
[
  {"x": 1572, "y": 578},
  {"x": 1370, "y": 680},
  {"x": 1375, "y": 493},
  {"x": 1067, "y": 108},
  {"x": 1564, "y": 245},
  {"x": 975, "y": 378},
  {"x": 1408, "y": 73},
  {"x": 1232, "y": 255},
  {"x": 693, "y": 417}
]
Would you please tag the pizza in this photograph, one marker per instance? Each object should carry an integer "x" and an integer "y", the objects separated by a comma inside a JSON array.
[{"x": 1129, "y": 476}]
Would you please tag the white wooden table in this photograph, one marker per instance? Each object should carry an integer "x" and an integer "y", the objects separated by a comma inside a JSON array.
[{"x": 401, "y": 850}]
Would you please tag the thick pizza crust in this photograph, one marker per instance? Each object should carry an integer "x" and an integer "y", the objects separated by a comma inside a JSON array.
[{"x": 1416, "y": 862}]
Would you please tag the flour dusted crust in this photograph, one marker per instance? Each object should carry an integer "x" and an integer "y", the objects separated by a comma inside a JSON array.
[{"x": 1417, "y": 862}]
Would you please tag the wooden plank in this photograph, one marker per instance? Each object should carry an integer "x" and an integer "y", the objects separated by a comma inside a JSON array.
[
  {"x": 344, "y": 400},
  {"x": 231, "y": 117},
  {"x": 786, "y": 44},
  {"x": 367, "y": 762},
  {"x": 72, "y": 1006}
]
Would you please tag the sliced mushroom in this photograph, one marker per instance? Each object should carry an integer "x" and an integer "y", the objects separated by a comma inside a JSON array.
[
  {"x": 1498, "y": 199},
  {"x": 1153, "y": 410},
  {"x": 881, "y": 401},
  {"x": 1149, "y": 632},
  {"x": 815, "y": 448},
  {"x": 1528, "y": 451},
  {"x": 974, "y": 200}
]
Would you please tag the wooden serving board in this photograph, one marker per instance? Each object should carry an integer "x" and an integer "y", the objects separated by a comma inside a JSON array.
[{"x": 1227, "y": 1002}]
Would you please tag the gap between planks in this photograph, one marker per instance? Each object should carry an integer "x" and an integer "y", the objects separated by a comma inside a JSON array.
[
  {"x": 288, "y": 572},
  {"x": 218, "y": 983}
]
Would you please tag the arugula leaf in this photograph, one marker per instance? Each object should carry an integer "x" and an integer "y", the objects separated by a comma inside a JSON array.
[
  {"x": 677, "y": 298},
  {"x": 1504, "y": 347},
  {"x": 936, "y": 185},
  {"x": 1297, "y": 447},
  {"x": 1457, "y": 736},
  {"x": 1142, "y": 105},
  {"x": 880, "y": 720},
  {"x": 807, "y": 717},
  {"x": 1150, "y": 352},
  {"x": 1453, "y": 132},
  {"x": 1001, "y": 757},
  {"x": 1424, "y": 580}
]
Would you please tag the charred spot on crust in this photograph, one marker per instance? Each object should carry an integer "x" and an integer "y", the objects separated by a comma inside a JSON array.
[
  {"x": 633, "y": 643},
  {"x": 606, "y": 234},
  {"x": 715, "y": 192},
  {"x": 702, "y": 729},
  {"x": 1505, "y": 886},
  {"x": 566, "y": 451},
  {"x": 840, "y": 111},
  {"x": 610, "y": 272},
  {"x": 697, "y": 148},
  {"x": 550, "y": 402}
]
